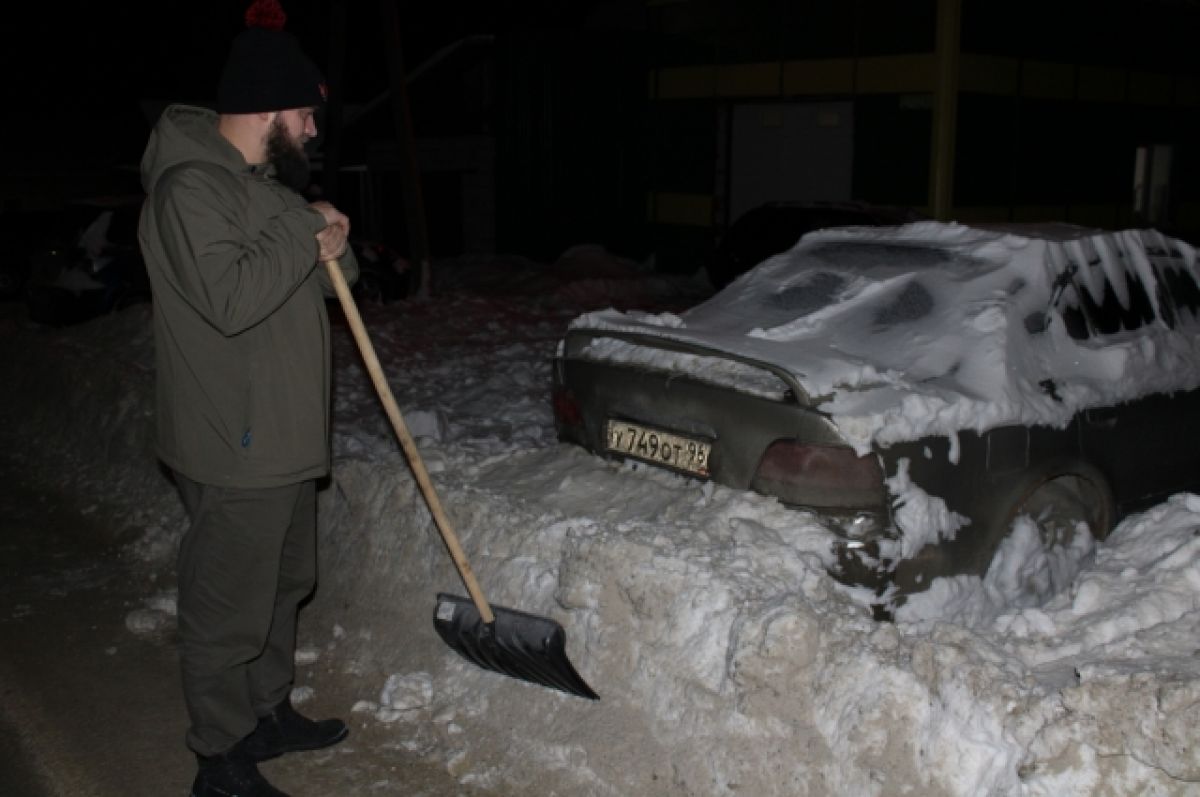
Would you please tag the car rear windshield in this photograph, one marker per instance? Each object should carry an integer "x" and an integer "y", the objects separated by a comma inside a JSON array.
[
  {"x": 830, "y": 272},
  {"x": 864, "y": 255}
]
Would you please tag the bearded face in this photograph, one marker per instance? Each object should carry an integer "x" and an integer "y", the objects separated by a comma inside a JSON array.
[{"x": 286, "y": 153}]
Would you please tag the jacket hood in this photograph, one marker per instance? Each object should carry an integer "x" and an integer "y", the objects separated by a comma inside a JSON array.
[{"x": 185, "y": 133}]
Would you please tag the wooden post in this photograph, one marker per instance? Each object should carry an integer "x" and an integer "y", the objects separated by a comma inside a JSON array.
[
  {"x": 336, "y": 103},
  {"x": 945, "y": 109},
  {"x": 414, "y": 205}
]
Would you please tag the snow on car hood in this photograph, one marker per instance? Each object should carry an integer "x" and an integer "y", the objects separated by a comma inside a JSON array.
[{"x": 904, "y": 332}]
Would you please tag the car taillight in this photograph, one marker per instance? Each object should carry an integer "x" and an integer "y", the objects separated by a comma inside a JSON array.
[
  {"x": 567, "y": 414},
  {"x": 820, "y": 476}
]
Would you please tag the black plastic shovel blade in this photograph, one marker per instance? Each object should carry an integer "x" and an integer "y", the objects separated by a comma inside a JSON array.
[{"x": 521, "y": 645}]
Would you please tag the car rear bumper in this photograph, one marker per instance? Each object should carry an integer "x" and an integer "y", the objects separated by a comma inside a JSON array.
[{"x": 739, "y": 427}]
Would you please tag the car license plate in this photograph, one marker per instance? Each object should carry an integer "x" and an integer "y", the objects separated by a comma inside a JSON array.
[{"x": 662, "y": 448}]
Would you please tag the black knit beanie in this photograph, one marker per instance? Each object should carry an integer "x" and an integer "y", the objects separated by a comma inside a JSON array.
[{"x": 266, "y": 69}]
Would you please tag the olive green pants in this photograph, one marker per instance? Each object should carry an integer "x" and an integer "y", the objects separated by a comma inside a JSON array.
[{"x": 246, "y": 562}]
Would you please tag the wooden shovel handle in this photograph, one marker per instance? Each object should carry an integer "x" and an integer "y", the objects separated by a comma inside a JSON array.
[{"x": 406, "y": 440}]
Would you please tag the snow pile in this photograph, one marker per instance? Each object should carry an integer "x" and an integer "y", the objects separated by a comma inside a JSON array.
[
  {"x": 158, "y": 614},
  {"x": 727, "y": 661}
]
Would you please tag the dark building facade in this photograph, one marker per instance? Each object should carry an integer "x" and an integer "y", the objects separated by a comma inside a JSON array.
[{"x": 970, "y": 110}]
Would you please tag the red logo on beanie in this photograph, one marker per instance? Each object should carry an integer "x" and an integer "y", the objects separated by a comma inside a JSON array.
[
  {"x": 265, "y": 14},
  {"x": 321, "y": 87}
]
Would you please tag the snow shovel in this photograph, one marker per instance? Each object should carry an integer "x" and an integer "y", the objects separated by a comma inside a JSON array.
[{"x": 504, "y": 640}]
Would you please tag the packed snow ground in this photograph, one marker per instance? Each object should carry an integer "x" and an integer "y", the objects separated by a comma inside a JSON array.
[{"x": 727, "y": 661}]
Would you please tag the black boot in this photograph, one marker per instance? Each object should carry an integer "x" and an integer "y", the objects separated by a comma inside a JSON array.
[
  {"x": 231, "y": 774},
  {"x": 285, "y": 730}
]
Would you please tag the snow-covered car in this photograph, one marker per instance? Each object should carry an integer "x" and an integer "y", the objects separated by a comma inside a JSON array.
[{"x": 928, "y": 388}]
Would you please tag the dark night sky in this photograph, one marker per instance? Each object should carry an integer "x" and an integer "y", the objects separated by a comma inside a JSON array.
[{"x": 77, "y": 71}]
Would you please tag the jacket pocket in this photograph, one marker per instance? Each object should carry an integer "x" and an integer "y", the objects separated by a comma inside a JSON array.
[{"x": 245, "y": 429}]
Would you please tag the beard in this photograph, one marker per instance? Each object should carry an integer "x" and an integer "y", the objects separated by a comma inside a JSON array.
[{"x": 288, "y": 157}]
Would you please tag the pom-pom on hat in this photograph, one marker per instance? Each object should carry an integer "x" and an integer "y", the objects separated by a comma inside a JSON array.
[{"x": 266, "y": 69}]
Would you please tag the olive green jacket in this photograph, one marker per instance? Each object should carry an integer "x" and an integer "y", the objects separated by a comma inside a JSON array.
[{"x": 241, "y": 333}]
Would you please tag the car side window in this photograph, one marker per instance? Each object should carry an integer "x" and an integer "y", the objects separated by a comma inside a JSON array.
[
  {"x": 1179, "y": 285},
  {"x": 1090, "y": 304},
  {"x": 1110, "y": 315},
  {"x": 1070, "y": 309}
]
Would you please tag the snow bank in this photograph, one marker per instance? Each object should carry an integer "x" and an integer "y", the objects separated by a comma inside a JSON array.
[{"x": 726, "y": 660}]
